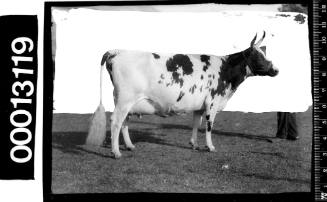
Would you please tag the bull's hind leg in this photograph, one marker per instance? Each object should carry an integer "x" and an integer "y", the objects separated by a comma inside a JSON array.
[
  {"x": 197, "y": 120},
  {"x": 127, "y": 140},
  {"x": 117, "y": 119}
]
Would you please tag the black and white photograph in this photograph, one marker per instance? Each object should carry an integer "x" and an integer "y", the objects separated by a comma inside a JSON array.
[
  {"x": 188, "y": 98},
  {"x": 169, "y": 100}
]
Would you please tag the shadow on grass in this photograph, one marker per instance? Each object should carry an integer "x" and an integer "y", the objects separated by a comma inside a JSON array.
[
  {"x": 214, "y": 132},
  {"x": 147, "y": 135},
  {"x": 71, "y": 142}
]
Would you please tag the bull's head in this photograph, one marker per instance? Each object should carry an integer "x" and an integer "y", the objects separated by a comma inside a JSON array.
[{"x": 257, "y": 61}]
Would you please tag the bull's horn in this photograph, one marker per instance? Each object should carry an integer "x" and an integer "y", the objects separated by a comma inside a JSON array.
[
  {"x": 259, "y": 42},
  {"x": 253, "y": 40}
]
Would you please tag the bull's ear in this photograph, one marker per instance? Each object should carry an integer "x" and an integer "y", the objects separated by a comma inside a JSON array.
[
  {"x": 263, "y": 48},
  {"x": 253, "y": 40},
  {"x": 259, "y": 42}
]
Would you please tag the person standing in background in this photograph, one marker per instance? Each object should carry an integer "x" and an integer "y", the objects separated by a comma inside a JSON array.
[{"x": 287, "y": 126}]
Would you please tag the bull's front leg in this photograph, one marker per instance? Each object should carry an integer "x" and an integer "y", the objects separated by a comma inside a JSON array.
[
  {"x": 197, "y": 120},
  {"x": 210, "y": 117}
]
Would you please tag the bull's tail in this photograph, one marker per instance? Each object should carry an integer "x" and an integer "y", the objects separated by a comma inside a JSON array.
[{"x": 97, "y": 130}]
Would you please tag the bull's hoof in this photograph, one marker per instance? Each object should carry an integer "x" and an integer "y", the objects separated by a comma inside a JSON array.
[
  {"x": 210, "y": 149},
  {"x": 194, "y": 146},
  {"x": 117, "y": 155},
  {"x": 130, "y": 147}
]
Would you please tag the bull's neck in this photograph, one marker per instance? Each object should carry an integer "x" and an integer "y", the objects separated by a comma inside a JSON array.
[{"x": 233, "y": 70}]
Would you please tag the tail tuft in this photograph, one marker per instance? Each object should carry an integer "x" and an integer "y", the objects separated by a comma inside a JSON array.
[{"x": 97, "y": 130}]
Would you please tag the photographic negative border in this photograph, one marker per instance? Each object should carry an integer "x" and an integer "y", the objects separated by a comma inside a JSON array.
[
  {"x": 18, "y": 58},
  {"x": 48, "y": 107}
]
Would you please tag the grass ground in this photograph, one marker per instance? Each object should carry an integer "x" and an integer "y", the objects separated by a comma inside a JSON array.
[{"x": 249, "y": 158}]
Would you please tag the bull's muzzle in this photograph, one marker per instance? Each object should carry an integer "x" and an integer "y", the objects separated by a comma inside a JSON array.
[{"x": 273, "y": 71}]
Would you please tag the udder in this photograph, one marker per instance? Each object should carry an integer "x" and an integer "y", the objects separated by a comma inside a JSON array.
[{"x": 145, "y": 106}]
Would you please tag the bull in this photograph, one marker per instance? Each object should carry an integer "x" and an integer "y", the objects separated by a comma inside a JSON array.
[{"x": 172, "y": 84}]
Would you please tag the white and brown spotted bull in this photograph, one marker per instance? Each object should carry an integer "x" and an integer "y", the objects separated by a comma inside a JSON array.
[{"x": 170, "y": 84}]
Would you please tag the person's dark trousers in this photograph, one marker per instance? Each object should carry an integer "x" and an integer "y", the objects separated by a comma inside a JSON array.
[{"x": 287, "y": 126}]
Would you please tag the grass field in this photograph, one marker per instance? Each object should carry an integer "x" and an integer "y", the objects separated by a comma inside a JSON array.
[{"x": 249, "y": 159}]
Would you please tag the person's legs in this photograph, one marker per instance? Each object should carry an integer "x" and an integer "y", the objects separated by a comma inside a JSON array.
[
  {"x": 292, "y": 133},
  {"x": 282, "y": 124}
]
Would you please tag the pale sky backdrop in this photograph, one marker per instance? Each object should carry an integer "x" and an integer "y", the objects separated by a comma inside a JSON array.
[{"x": 83, "y": 35}]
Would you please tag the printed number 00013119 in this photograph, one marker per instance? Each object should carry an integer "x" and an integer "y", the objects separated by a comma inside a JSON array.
[{"x": 22, "y": 91}]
